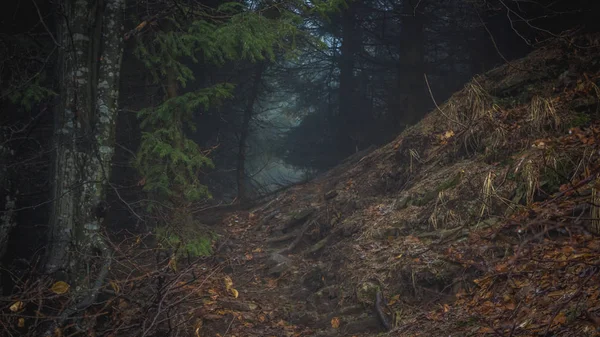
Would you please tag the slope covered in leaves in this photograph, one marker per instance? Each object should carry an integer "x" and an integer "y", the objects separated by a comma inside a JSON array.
[{"x": 480, "y": 220}]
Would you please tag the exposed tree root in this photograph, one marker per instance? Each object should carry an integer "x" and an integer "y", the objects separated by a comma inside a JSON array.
[
  {"x": 295, "y": 243},
  {"x": 266, "y": 219},
  {"x": 282, "y": 238},
  {"x": 88, "y": 296},
  {"x": 379, "y": 303},
  {"x": 318, "y": 246}
]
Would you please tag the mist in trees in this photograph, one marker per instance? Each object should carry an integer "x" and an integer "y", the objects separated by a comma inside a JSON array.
[{"x": 128, "y": 116}]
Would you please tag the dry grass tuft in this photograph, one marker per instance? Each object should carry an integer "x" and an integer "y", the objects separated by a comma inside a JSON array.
[
  {"x": 542, "y": 115},
  {"x": 438, "y": 208},
  {"x": 487, "y": 192},
  {"x": 474, "y": 116},
  {"x": 414, "y": 158}
]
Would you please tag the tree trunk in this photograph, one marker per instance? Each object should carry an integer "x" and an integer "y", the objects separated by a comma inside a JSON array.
[
  {"x": 84, "y": 141},
  {"x": 347, "y": 109},
  {"x": 7, "y": 197},
  {"x": 411, "y": 84},
  {"x": 245, "y": 131}
]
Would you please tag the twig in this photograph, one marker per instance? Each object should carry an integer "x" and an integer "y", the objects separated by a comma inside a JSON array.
[
  {"x": 437, "y": 106},
  {"x": 508, "y": 63},
  {"x": 585, "y": 181},
  {"x": 229, "y": 327},
  {"x": 44, "y": 24},
  {"x": 562, "y": 305}
]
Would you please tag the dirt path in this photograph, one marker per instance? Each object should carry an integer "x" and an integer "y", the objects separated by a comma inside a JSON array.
[{"x": 284, "y": 289}]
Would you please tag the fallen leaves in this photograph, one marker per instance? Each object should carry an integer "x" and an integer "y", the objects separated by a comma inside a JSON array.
[
  {"x": 445, "y": 137},
  {"x": 229, "y": 286},
  {"x": 60, "y": 287},
  {"x": 335, "y": 322},
  {"x": 17, "y": 306}
]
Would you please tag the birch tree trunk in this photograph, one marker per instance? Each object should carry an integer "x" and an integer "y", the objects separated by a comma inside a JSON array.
[{"x": 91, "y": 38}]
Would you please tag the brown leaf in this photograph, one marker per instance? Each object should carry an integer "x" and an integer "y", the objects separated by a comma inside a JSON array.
[
  {"x": 114, "y": 286},
  {"x": 393, "y": 300},
  {"x": 485, "y": 329},
  {"x": 335, "y": 322},
  {"x": 560, "y": 319},
  {"x": 60, "y": 287},
  {"x": 228, "y": 282},
  {"x": 17, "y": 306}
]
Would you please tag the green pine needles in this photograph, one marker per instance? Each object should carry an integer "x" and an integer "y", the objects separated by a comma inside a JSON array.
[
  {"x": 31, "y": 94},
  {"x": 169, "y": 162}
]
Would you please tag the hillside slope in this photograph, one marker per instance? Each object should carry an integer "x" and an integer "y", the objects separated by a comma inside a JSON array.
[{"x": 481, "y": 219}]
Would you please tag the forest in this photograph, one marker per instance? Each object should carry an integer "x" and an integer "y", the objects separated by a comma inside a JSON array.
[{"x": 299, "y": 168}]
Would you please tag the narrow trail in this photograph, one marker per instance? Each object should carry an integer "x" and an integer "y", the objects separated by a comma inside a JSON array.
[{"x": 284, "y": 289}]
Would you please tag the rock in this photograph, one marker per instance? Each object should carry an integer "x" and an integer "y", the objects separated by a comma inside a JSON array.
[
  {"x": 366, "y": 293},
  {"x": 279, "y": 264}
]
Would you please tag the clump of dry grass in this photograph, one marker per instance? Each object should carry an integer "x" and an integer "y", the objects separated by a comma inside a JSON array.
[
  {"x": 479, "y": 102},
  {"x": 542, "y": 115},
  {"x": 473, "y": 114},
  {"x": 487, "y": 192},
  {"x": 529, "y": 172},
  {"x": 414, "y": 158},
  {"x": 434, "y": 218},
  {"x": 443, "y": 217}
]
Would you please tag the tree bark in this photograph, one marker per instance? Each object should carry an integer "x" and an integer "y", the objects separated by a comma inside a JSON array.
[
  {"x": 84, "y": 139},
  {"x": 245, "y": 130},
  {"x": 347, "y": 110},
  {"x": 7, "y": 197},
  {"x": 411, "y": 85}
]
